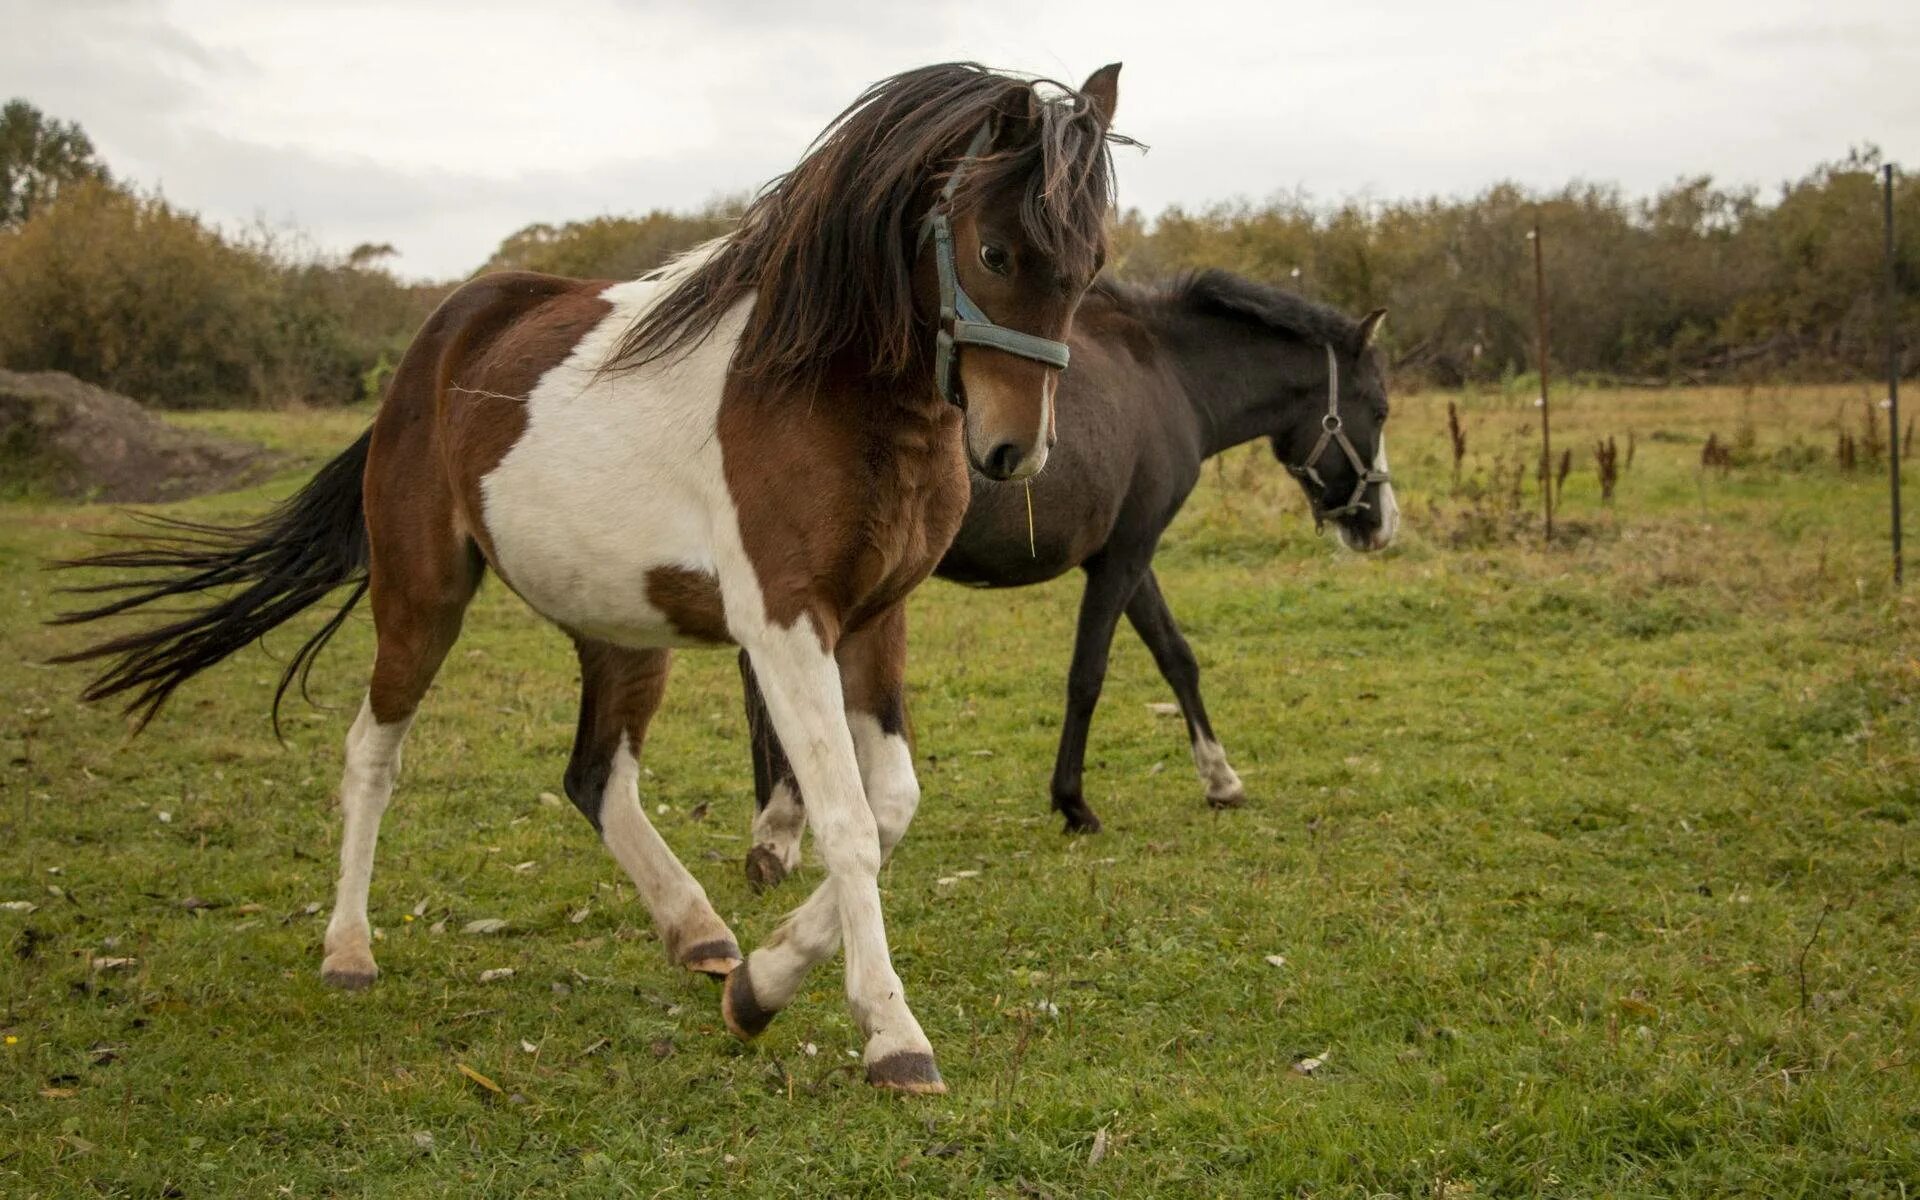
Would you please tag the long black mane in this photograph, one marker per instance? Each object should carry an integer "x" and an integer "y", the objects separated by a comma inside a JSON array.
[
  {"x": 1214, "y": 291},
  {"x": 827, "y": 250}
]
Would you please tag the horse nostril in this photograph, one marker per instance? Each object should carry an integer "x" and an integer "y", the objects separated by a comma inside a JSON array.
[{"x": 1003, "y": 460}]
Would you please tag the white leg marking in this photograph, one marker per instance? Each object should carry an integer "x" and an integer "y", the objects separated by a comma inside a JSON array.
[
  {"x": 681, "y": 911},
  {"x": 802, "y": 687},
  {"x": 886, "y": 770},
  {"x": 778, "y": 827},
  {"x": 1222, "y": 784},
  {"x": 373, "y": 763}
]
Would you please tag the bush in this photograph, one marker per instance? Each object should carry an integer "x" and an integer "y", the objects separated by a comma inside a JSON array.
[
  {"x": 128, "y": 292},
  {"x": 1695, "y": 282},
  {"x": 612, "y": 247}
]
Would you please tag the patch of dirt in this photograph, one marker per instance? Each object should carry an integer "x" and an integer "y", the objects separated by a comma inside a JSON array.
[{"x": 63, "y": 437}]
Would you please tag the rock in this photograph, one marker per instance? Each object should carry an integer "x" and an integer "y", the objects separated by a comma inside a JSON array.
[{"x": 62, "y": 437}]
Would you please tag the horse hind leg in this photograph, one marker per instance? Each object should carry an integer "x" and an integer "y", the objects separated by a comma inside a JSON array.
[
  {"x": 1153, "y": 621},
  {"x": 417, "y": 615},
  {"x": 779, "y": 819},
  {"x": 620, "y": 690}
]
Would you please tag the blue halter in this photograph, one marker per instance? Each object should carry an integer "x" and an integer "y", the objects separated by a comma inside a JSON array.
[{"x": 962, "y": 322}]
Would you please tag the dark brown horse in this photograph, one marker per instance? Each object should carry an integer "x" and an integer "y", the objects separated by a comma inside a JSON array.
[
  {"x": 766, "y": 444},
  {"x": 1163, "y": 379}
]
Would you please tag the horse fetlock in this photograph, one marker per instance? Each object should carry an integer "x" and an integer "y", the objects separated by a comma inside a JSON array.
[
  {"x": 745, "y": 1012},
  {"x": 1224, "y": 789},
  {"x": 767, "y": 867},
  {"x": 1073, "y": 809}
]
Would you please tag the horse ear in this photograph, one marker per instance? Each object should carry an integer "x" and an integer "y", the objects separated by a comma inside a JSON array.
[
  {"x": 1370, "y": 325},
  {"x": 1102, "y": 90}
]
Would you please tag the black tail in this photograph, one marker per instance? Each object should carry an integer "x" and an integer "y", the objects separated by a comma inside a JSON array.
[{"x": 310, "y": 544}]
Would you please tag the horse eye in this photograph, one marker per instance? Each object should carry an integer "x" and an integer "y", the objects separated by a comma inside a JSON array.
[{"x": 995, "y": 259}]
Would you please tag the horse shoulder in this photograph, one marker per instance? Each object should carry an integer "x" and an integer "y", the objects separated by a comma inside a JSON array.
[{"x": 844, "y": 501}]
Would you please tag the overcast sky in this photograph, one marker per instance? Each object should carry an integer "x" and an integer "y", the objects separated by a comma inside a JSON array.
[{"x": 443, "y": 126}]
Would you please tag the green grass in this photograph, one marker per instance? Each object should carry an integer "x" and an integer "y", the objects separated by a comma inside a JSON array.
[{"x": 1594, "y": 870}]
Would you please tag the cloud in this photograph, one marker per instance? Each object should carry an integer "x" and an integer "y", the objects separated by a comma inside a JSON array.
[{"x": 443, "y": 126}]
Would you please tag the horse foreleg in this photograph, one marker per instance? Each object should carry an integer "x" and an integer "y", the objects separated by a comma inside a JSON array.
[
  {"x": 846, "y": 736},
  {"x": 1110, "y": 581},
  {"x": 1153, "y": 621}
]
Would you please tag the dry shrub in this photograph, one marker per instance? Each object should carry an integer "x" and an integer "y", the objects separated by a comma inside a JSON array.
[{"x": 1606, "y": 461}]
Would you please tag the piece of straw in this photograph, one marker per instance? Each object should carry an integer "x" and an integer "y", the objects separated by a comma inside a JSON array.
[{"x": 1032, "y": 550}]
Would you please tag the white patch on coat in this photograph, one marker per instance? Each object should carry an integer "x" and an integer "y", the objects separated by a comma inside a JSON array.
[
  {"x": 1210, "y": 760},
  {"x": 681, "y": 911},
  {"x": 614, "y": 476}
]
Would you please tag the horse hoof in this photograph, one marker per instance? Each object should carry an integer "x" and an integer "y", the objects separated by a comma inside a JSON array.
[
  {"x": 764, "y": 868},
  {"x": 745, "y": 1018},
  {"x": 1080, "y": 820},
  {"x": 716, "y": 959},
  {"x": 1234, "y": 799},
  {"x": 349, "y": 976},
  {"x": 910, "y": 1071}
]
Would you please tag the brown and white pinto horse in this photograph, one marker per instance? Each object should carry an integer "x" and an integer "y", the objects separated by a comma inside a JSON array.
[{"x": 749, "y": 447}]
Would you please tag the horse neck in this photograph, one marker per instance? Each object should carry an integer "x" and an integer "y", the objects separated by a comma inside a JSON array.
[{"x": 1244, "y": 381}]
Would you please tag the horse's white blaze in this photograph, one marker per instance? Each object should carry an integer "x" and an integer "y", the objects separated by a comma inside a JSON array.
[
  {"x": 1389, "y": 507},
  {"x": 675, "y": 898},
  {"x": 614, "y": 476},
  {"x": 1210, "y": 760},
  {"x": 366, "y": 785},
  {"x": 778, "y": 827}
]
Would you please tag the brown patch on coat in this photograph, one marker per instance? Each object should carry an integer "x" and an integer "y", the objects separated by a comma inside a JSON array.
[
  {"x": 846, "y": 502},
  {"x": 690, "y": 601}
]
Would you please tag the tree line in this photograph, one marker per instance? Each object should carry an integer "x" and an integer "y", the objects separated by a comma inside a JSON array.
[{"x": 1697, "y": 282}]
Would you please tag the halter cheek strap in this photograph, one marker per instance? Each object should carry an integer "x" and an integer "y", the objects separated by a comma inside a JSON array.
[
  {"x": 1332, "y": 431},
  {"x": 963, "y": 322}
]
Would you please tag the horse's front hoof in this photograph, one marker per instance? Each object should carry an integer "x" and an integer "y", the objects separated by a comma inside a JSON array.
[
  {"x": 1237, "y": 798},
  {"x": 717, "y": 959},
  {"x": 764, "y": 868},
  {"x": 1079, "y": 818},
  {"x": 349, "y": 972},
  {"x": 910, "y": 1071},
  {"x": 740, "y": 1009}
]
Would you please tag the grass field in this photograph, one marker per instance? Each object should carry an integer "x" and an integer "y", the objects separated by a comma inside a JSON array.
[{"x": 1593, "y": 871}]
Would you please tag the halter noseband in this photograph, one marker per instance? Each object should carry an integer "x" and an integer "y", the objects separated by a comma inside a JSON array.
[
  {"x": 962, "y": 322},
  {"x": 1332, "y": 431}
]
